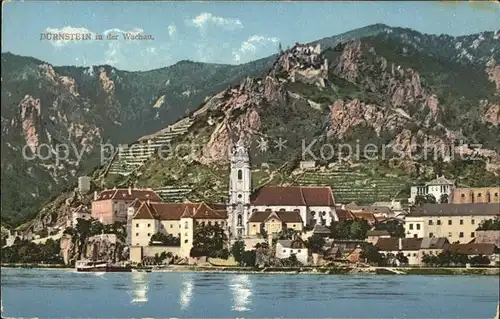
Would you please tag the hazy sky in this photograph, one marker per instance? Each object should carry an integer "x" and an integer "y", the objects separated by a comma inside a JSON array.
[{"x": 219, "y": 32}]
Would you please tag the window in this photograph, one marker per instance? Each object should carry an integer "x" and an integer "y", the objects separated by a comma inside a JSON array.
[
  {"x": 479, "y": 195},
  {"x": 179, "y": 235},
  {"x": 136, "y": 225},
  {"x": 137, "y": 234},
  {"x": 414, "y": 255},
  {"x": 171, "y": 226},
  {"x": 472, "y": 221},
  {"x": 216, "y": 223},
  {"x": 149, "y": 234},
  {"x": 431, "y": 222},
  {"x": 415, "y": 236},
  {"x": 294, "y": 225},
  {"x": 418, "y": 226},
  {"x": 439, "y": 222},
  {"x": 461, "y": 235},
  {"x": 149, "y": 225},
  {"x": 298, "y": 251},
  {"x": 463, "y": 195},
  {"x": 240, "y": 196},
  {"x": 411, "y": 226},
  {"x": 284, "y": 250},
  {"x": 209, "y": 223},
  {"x": 461, "y": 221},
  {"x": 222, "y": 224},
  {"x": 472, "y": 234},
  {"x": 253, "y": 226},
  {"x": 449, "y": 222},
  {"x": 179, "y": 225},
  {"x": 186, "y": 225},
  {"x": 431, "y": 234},
  {"x": 240, "y": 174},
  {"x": 449, "y": 234},
  {"x": 186, "y": 241}
]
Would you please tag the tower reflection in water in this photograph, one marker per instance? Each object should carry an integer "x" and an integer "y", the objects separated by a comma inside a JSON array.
[
  {"x": 186, "y": 291},
  {"x": 241, "y": 287},
  {"x": 139, "y": 291}
]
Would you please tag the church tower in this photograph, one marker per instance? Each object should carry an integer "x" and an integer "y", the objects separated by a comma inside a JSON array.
[{"x": 240, "y": 187}]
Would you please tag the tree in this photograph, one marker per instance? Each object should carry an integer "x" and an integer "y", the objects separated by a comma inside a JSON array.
[
  {"x": 286, "y": 234},
  {"x": 402, "y": 258},
  {"x": 371, "y": 254},
  {"x": 443, "y": 199},
  {"x": 209, "y": 241},
  {"x": 430, "y": 199},
  {"x": 420, "y": 200},
  {"x": 394, "y": 227},
  {"x": 291, "y": 261},
  {"x": 480, "y": 260},
  {"x": 164, "y": 240},
  {"x": 238, "y": 251},
  {"x": 358, "y": 229},
  {"x": 315, "y": 243},
  {"x": 489, "y": 224},
  {"x": 249, "y": 257}
]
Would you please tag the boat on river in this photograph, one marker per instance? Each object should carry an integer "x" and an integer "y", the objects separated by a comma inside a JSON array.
[{"x": 99, "y": 266}]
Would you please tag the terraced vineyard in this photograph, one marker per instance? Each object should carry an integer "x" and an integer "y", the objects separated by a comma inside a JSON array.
[{"x": 356, "y": 185}]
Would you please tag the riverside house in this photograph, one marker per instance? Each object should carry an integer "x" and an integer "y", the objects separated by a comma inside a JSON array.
[
  {"x": 178, "y": 220},
  {"x": 456, "y": 222}
]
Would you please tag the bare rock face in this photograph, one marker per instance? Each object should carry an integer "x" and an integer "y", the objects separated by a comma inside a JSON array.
[
  {"x": 492, "y": 115},
  {"x": 349, "y": 61},
  {"x": 345, "y": 115},
  {"x": 107, "y": 84},
  {"x": 30, "y": 113},
  {"x": 104, "y": 247},
  {"x": 67, "y": 248},
  {"x": 493, "y": 71}
]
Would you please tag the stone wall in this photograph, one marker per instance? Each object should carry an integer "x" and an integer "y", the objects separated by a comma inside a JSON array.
[{"x": 137, "y": 253}]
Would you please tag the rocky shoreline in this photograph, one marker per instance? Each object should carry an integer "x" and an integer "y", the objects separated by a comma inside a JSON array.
[{"x": 298, "y": 270}]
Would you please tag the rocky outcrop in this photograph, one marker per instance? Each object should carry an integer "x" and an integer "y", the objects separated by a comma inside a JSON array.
[
  {"x": 30, "y": 116},
  {"x": 492, "y": 115},
  {"x": 67, "y": 248},
  {"x": 349, "y": 61},
  {"x": 493, "y": 71},
  {"x": 107, "y": 84}
]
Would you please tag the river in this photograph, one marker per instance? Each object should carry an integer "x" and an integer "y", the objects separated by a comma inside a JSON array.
[{"x": 59, "y": 293}]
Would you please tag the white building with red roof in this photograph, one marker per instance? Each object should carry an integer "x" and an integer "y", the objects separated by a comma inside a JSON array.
[{"x": 315, "y": 205}]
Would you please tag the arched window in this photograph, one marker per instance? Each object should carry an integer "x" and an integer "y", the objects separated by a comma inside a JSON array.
[
  {"x": 240, "y": 221},
  {"x": 240, "y": 174}
]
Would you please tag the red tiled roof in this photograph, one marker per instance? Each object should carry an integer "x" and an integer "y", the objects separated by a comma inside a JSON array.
[
  {"x": 344, "y": 214},
  {"x": 473, "y": 249},
  {"x": 293, "y": 196},
  {"x": 129, "y": 194},
  {"x": 285, "y": 217},
  {"x": 369, "y": 217},
  {"x": 170, "y": 211},
  {"x": 144, "y": 212}
]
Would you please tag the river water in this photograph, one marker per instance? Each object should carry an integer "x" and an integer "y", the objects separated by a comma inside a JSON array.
[{"x": 67, "y": 294}]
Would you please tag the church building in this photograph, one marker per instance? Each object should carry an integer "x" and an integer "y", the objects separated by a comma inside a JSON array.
[{"x": 251, "y": 213}]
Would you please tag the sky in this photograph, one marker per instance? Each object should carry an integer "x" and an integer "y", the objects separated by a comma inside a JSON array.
[{"x": 215, "y": 32}]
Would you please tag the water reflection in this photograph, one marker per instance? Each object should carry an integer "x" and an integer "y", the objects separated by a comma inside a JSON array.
[
  {"x": 186, "y": 290},
  {"x": 241, "y": 287},
  {"x": 139, "y": 287}
]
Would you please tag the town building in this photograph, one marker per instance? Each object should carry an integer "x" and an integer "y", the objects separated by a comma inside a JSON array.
[
  {"x": 437, "y": 188},
  {"x": 408, "y": 246},
  {"x": 343, "y": 250},
  {"x": 374, "y": 235},
  {"x": 314, "y": 205},
  {"x": 476, "y": 195},
  {"x": 287, "y": 248},
  {"x": 432, "y": 246},
  {"x": 177, "y": 220},
  {"x": 111, "y": 205},
  {"x": 471, "y": 250},
  {"x": 274, "y": 222},
  {"x": 456, "y": 222}
]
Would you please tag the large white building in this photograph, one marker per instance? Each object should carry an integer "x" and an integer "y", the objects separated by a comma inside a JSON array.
[
  {"x": 315, "y": 205},
  {"x": 437, "y": 187}
]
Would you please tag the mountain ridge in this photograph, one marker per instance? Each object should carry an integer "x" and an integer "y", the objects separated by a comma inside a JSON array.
[{"x": 109, "y": 83}]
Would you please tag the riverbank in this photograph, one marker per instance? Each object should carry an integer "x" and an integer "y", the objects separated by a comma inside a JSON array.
[{"x": 339, "y": 270}]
